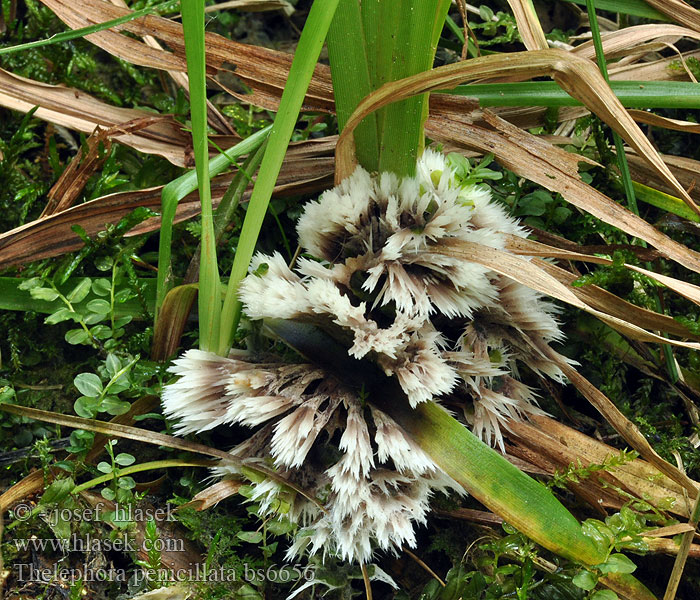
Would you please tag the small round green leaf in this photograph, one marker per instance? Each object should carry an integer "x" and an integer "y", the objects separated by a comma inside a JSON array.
[
  {"x": 104, "y": 467},
  {"x": 85, "y": 407},
  {"x": 76, "y": 336},
  {"x": 585, "y": 580},
  {"x": 80, "y": 291},
  {"x": 124, "y": 459},
  {"x": 43, "y": 293},
  {"x": 101, "y": 286},
  {"x": 88, "y": 384},
  {"x": 99, "y": 306}
]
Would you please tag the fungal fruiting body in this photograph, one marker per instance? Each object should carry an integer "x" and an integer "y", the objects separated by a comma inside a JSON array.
[{"x": 378, "y": 274}]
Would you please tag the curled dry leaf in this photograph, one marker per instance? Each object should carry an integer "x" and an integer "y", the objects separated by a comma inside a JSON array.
[
  {"x": 562, "y": 446},
  {"x": 306, "y": 169},
  {"x": 551, "y": 167},
  {"x": 578, "y": 77},
  {"x": 264, "y": 71},
  {"x": 617, "y": 43},
  {"x": 80, "y": 111}
]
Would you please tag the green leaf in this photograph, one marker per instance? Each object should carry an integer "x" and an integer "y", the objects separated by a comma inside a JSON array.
[
  {"x": 126, "y": 483},
  {"x": 349, "y": 60},
  {"x": 585, "y": 580},
  {"x": 104, "y": 467},
  {"x": 99, "y": 306},
  {"x": 300, "y": 73},
  {"x": 88, "y": 384},
  {"x": 209, "y": 282},
  {"x": 80, "y": 291},
  {"x": 108, "y": 494},
  {"x": 113, "y": 364},
  {"x": 42, "y": 293},
  {"x": 62, "y": 314},
  {"x": 101, "y": 332},
  {"x": 632, "y": 94},
  {"x": 114, "y": 406},
  {"x": 252, "y": 537},
  {"x": 102, "y": 286},
  {"x": 58, "y": 491},
  {"x": 123, "y": 459},
  {"x": 86, "y": 407},
  {"x": 617, "y": 563},
  {"x": 76, "y": 336},
  {"x": 29, "y": 284},
  {"x": 604, "y": 595},
  {"x": 636, "y": 8}
]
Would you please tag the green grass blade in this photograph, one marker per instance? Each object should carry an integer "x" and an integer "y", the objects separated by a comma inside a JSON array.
[
  {"x": 65, "y": 36},
  {"x": 413, "y": 52},
  {"x": 351, "y": 77},
  {"x": 176, "y": 190},
  {"x": 305, "y": 59},
  {"x": 632, "y": 94},
  {"x": 209, "y": 283},
  {"x": 665, "y": 202},
  {"x": 635, "y": 8}
]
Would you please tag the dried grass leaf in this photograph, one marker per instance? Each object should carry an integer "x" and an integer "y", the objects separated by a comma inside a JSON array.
[
  {"x": 264, "y": 71},
  {"x": 77, "y": 110},
  {"x": 617, "y": 43},
  {"x": 533, "y": 158},
  {"x": 529, "y": 26},
  {"x": 641, "y": 116},
  {"x": 529, "y": 274},
  {"x": 306, "y": 170},
  {"x": 578, "y": 77},
  {"x": 622, "y": 424},
  {"x": 678, "y": 11},
  {"x": 532, "y": 248},
  {"x": 658, "y": 70},
  {"x": 611, "y": 304},
  {"x": 564, "y": 446}
]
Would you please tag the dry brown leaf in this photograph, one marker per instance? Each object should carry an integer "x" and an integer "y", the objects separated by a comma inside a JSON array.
[
  {"x": 611, "y": 304},
  {"x": 529, "y": 274},
  {"x": 264, "y": 71},
  {"x": 214, "y": 494},
  {"x": 529, "y": 26},
  {"x": 678, "y": 11},
  {"x": 564, "y": 446},
  {"x": 530, "y": 157},
  {"x": 658, "y": 70},
  {"x": 641, "y": 116},
  {"x": 305, "y": 170},
  {"x": 528, "y": 247},
  {"x": 622, "y": 424},
  {"x": 579, "y": 77},
  {"x": 253, "y": 6},
  {"x": 686, "y": 170},
  {"x": 214, "y": 117},
  {"x": 616, "y": 43},
  {"x": 84, "y": 164},
  {"x": 80, "y": 111}
]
